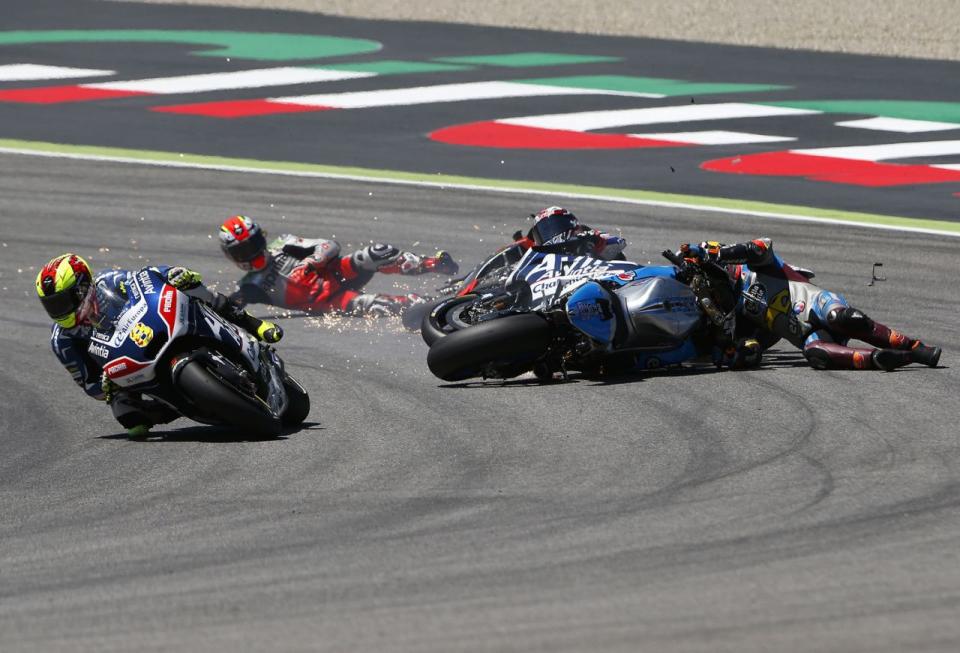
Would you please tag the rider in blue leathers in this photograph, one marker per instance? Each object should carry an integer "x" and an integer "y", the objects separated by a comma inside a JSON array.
[
  {"x": 68, "y": 290},
  {"x": 778, "y": 299}
]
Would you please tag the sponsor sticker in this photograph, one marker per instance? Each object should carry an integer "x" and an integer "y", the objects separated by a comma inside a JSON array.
[
  {"x": 143, "y": 278},
  {"x": 754, "y": 299},
  {"x": 141, "y": 334},
  {"x": 98, "y": 350}
]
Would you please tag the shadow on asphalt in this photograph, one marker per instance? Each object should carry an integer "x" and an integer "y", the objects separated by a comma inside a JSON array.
[
  {"x": 210, "y": 434},
  {"x": 771, "y": 361}
]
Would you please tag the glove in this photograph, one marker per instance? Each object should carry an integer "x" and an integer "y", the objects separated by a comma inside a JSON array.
[
  {"x": 708, "y": 250},
  {"x": 269, "y": 332},
  {"x": 746, "y": 354},
  {"x": 183, "y": 279}
]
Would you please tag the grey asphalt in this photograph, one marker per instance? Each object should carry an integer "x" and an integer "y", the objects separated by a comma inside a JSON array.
[{"x": 780, "y": 509}]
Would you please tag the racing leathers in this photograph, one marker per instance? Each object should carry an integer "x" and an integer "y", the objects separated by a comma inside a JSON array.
[
  {"x": 135, "y": 413},
  {"x": 778, "y": 299},
  {"x": 311, "y": 275}
]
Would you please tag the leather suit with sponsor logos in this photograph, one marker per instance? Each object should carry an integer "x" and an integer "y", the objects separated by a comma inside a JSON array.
[
  {"x": 71, "y": 347},
  {"x": 311, "y": 275},
  {"x": 779, "y": 300}
]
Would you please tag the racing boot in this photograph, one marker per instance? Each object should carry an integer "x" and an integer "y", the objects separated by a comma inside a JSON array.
[
  {"x": 890, "y": 359},
  {"x": 921, "y": 353},
  {"x": 263, "y": 330},
  {"x": 439, "y": 263},
  {"x": 885, "y": 337}
]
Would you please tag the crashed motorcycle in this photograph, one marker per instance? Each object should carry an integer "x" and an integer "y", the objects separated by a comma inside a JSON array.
[
  {"x": 157, "y": 341},
  {"x": 542, "y": 269},
  {"x": 559, "y": 313}
]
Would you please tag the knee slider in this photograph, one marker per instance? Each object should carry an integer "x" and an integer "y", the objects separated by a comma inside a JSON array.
[
  {"x": 372, "y": 257},
  {"x": 849, "y": 319},
  {"x": 817, "y": 356}
]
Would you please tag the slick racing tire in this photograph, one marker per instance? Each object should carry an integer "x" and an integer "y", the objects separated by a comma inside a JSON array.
[
  {"x": 510, "y": 345},
  {"x": 226, "y": 404},
  {"x": 444, "y": 318},
  {"x": 298, "y": 402}
]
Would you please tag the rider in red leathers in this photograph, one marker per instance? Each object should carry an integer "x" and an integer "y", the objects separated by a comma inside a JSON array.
[{"x": 311, "y": 274}]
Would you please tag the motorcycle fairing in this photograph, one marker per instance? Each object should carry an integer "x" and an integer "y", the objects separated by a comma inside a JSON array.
[
  {"x": 659, "y": 308},
  {"x": 547, "y": 272},
  {"x": 170, "y": 314},
  {"x": 589, "y": 310}
]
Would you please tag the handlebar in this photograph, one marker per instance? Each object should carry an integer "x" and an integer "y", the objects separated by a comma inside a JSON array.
[{"x": 707, "y": 266}]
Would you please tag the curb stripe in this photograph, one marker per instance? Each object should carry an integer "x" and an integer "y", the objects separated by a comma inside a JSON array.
[
  {"x": 23, "y": 72},
  {"x": 638, "y": 197}
]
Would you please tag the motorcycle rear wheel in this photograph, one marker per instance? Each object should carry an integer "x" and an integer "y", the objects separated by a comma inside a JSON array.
[
  {"x": 217, "y": 399},
  {"x": 509, "y": 345}
]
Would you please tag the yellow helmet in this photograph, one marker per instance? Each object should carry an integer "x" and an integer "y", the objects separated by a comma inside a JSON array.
[{"x": 64, "y": 286}]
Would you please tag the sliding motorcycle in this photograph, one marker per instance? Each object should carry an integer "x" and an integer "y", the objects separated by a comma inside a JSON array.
[{"x": 559, "y": 313}]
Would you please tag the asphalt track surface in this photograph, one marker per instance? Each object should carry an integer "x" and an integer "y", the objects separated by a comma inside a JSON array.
[{"x": 780, "y": 509}]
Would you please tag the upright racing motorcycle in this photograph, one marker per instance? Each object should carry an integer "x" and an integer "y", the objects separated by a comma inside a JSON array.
[
  {"x": 163, "y": 343},
  {"x": 560, "y": 312}
]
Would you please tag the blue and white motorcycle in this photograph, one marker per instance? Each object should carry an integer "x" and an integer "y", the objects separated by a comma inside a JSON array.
[
  {"x": 560, "y": 312},
  {"x": 155, "y": 340}
]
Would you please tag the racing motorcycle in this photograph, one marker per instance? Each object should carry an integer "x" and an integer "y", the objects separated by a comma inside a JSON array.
[
  {"x": 559, "y": 313},
  {"x": 163, "y": 343},
  {"x": 542, "y": 269}
]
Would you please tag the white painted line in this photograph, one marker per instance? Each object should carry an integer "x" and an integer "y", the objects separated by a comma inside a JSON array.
[
  {"x": 901, "y": 125},
  {"x": 438, "y": 93},
  {"x": 948, "y": 166},
  {"x": 226, "y": 81},
  {"x": 590, "y": 120},
  {"x": 475, "y": 187},
  {"x": 715, "y": 137},
  {"x": 888, "y": 151},
  {"x": 21, "y": 72}
]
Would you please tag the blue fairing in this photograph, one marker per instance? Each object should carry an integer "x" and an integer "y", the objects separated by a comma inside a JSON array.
[
  {"x": 624, "y": 277},
  {"x": 652, "y": 361},
  {"x": 588, "y": 309},
  {"x": 133, "y": 300}
]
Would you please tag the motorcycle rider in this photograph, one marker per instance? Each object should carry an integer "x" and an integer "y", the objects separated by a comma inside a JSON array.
[
  {"x": 557, "y": 229},
  {"x": 73, "y": 296},
  {"x": 311, "y": 275},
  {"x": 778, "y": 298}
]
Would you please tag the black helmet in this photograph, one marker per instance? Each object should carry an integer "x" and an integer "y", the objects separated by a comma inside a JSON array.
[{"x": 554, "y": 225}]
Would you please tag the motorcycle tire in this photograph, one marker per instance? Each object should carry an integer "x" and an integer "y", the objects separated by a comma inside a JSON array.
[
  {"x": 225, "y": 403},
  {"x": 512, "y": 343},
  {"x": 435, "y": 323},
  {"x": 298, "y": 402}
]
